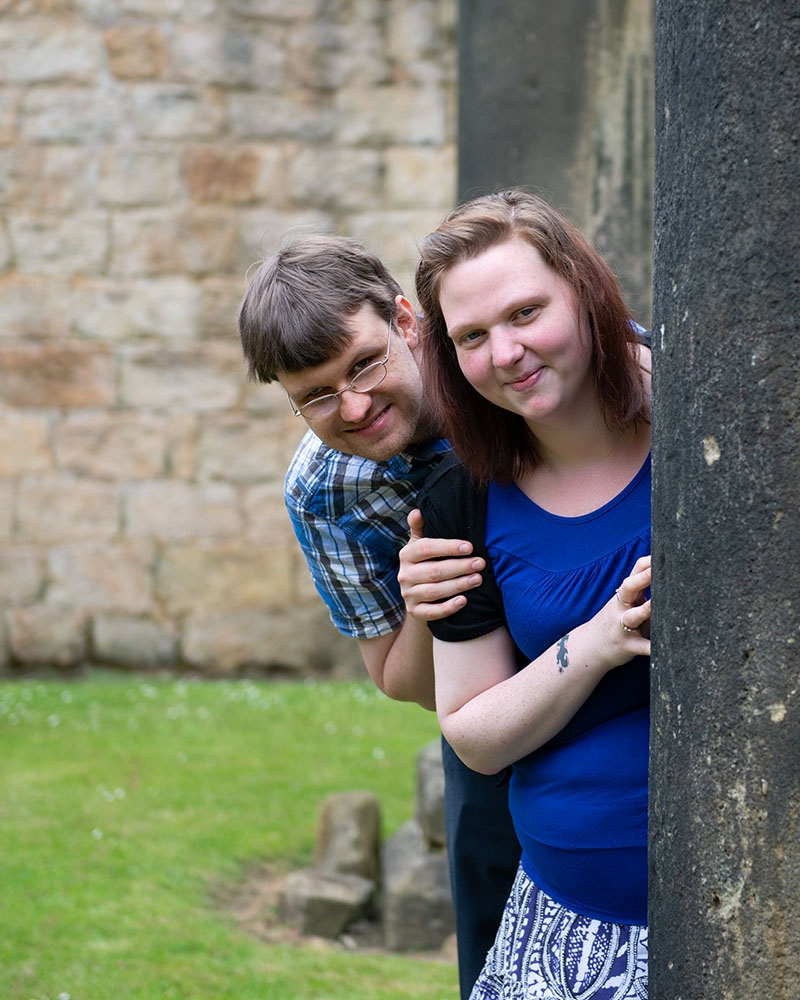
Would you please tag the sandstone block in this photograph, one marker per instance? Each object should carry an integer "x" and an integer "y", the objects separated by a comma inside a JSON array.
[
  {"x": 430, "y": 794},
  {"x": 380, "y": 116},
  {"x": 297, "y": 115},
  {"x": 41, "y": 635},
  {"x": 136, "y": 51},
  {"x": 237, "y": 449},
  {"x": 61, "y": 508},
  {"x": 278, "y": 10},
  {"x": 265, "y": 513},
  {"x": 64, "y": 374},
  {"x": 417, "y": 906},
  {"x": 92, "y": 575},
  {"x": 24, "y": 442},
  {"x": 10, "y": 98},
  {"x": 6, "y": 509},
  {"x": 49, "y": 178},
  {"x": 137, "y": 175},
  {"x": 112, "y": 445},
  {"x": 422, "y": 177},
  {"x": 169, "y": 509},
  {"x": 191, "y": 10},
  {"x": 181, "y": 431},
  {"x": 229, "y": 56},
  {"x": 133, "y": 642},
  {"x": 112, "y": 309},
  {"x": 233, "y": 174},
  {"x": 75, "y": 244},
  {"x": 352, "y": 178},
  {"x": 5, "y": 648},
  {"x": 224, "y": 576},
  {"x": 33, "y": 306},
  {"x": 262, "y": 231},
  {"x": 162, "y": 242},
  {"x": 60, "y": 114},
  {"x": 21, "y": 574},
  {"x": 201, "y": 378},
  {"x": 323, "y": 904},
  {"x": 73, "y": 54},
  {"x": 394, "y": 236},
  {"x": 170, "y": 111},
  {"x": 303, "y": 643},
  {"x": 348, "y": 835},
  {"x": 219, "y": 300},
  {"x": 331, "y": 54}
]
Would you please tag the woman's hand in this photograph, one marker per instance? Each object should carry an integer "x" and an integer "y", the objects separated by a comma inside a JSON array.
[
  {"x": 435, "y": 572},
  {"x": 625, "y": 619}
]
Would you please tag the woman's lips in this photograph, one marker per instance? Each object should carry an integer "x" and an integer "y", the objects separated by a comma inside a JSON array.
[{"x": 527, "y": 381}]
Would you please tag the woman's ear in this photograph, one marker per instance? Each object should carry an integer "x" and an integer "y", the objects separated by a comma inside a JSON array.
[{"x": 406, "y": 321}]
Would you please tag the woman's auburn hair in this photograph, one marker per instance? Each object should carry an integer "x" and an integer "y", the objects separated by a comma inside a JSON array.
[{"x": 495, "y": 444}]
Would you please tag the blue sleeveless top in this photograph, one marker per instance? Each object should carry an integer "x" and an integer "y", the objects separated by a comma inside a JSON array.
[{"x": 579, "y": 802}]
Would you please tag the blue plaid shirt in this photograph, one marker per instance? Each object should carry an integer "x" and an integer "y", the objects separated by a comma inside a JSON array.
[{"x": 349, "y": 515}]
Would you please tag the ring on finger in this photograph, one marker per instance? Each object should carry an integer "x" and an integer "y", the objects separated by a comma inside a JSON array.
[
  {"x": 625, "y": 604},
  {"x": 625, "y": 627}
]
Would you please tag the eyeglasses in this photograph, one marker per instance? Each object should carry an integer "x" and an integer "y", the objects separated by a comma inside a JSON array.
[{"x": 364, "y": 381}]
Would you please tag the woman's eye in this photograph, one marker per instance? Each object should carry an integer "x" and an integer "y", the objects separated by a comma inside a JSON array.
[
  {"x": 526, "y": 313},
  {"x": 471, "y": 337}
]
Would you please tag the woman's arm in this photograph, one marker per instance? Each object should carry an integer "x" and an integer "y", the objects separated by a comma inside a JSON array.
[{"x": 493, "y": 715}]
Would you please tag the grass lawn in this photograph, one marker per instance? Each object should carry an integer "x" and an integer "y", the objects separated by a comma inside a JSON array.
[{"x": 130, "y": 804}]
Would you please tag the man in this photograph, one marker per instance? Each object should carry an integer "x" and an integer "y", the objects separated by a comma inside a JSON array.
[{"x": 326, "y": 319}]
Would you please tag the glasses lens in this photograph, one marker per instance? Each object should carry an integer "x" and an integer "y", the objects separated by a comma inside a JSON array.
[
  {"x": 322, "y": 407},
  {"x": 371, "y": 376}
]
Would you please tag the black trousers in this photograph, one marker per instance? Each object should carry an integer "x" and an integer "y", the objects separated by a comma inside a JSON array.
[{"x": 482, "y": 853}]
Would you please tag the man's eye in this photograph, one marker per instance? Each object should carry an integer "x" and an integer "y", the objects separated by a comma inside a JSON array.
[{"x": 359, "y": 366}]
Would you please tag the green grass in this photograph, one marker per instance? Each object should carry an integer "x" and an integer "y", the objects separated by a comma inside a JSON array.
[{"x": 129, "y": 804}]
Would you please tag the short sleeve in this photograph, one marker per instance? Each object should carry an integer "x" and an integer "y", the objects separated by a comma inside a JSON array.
[{"x": 454, "y": 507}]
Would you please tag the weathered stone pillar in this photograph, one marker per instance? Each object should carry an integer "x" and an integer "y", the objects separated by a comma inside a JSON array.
[
  {"x": 724, "y": 855},
  {"x": 558, "y": 96}
]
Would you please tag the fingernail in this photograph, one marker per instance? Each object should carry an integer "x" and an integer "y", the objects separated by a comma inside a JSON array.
[
  {"x": 464, "y": 547},
  {"x": 477, "y": 564},
  {"x": 474, "y": 580}
]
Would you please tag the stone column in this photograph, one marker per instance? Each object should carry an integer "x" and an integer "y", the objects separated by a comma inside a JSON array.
[
  {"x": 558, "y": 96},
  {"x": 724, "y": 853}
]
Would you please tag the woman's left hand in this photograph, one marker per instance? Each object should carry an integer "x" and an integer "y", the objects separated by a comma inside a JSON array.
[{"x": 634, "y": 610}]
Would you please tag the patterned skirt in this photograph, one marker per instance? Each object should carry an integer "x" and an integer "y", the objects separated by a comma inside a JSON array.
[{"x": 543, "y": 951}]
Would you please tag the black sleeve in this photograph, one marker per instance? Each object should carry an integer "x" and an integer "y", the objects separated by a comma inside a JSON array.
[{"x": 453, "y": 507}]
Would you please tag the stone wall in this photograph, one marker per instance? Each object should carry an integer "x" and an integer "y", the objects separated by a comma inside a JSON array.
[{"x": 150, "y": 151}]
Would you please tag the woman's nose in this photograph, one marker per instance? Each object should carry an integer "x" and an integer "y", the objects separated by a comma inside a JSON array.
[{"x": 506, "y": 348}]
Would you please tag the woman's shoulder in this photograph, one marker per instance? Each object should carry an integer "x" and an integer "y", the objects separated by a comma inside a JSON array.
[{"x": 452, "y": 504}]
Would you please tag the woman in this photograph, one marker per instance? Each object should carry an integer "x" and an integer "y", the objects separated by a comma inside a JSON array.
[{"x": 532, "y": 359}]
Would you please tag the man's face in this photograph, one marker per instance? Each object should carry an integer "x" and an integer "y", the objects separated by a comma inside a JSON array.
[{"x": 378, "y": 424}]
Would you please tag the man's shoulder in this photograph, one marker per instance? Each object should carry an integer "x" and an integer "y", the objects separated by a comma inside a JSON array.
[{"x": 317, "y": 469}]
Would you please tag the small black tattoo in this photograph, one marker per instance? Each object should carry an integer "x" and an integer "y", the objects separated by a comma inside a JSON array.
[{"x": 562, "y": 658}]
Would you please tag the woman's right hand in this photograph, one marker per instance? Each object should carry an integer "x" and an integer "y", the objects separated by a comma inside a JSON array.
[{"x": 435, "y": 572}]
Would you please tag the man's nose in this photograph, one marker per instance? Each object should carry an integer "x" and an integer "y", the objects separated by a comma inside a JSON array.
[{"x": 354, "y": 406}]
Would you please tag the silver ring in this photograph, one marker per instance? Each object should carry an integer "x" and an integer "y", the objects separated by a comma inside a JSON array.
[
  {"x": 625, "y": 627},
  {"x": 623, "y": 603}
]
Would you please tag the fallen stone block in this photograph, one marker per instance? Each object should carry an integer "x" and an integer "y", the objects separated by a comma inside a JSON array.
[
  {"x": 322, "y": 904},
  {"x": 417, "y": 904},
  {"x": 348, "y": 835},
  {"x": 430, "y": 793}
]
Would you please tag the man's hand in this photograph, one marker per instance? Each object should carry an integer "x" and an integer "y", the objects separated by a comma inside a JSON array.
[{"x": 433, "y": 570}]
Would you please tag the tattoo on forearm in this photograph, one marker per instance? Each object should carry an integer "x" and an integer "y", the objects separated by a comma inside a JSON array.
[{"x": 562, "y": 657}]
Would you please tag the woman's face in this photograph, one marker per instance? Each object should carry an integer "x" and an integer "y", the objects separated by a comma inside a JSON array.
[{"x": 518, "y": 332}]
